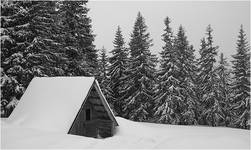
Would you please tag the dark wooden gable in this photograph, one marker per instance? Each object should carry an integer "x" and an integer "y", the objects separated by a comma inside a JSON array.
[{"x": 93, "y": 119}]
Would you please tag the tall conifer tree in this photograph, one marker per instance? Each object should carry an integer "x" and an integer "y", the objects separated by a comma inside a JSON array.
[
  {"x": 224, "y": 91},
  {"x": 167, "y": 93},
  {"x": 116, "y": 71},
  {"x": 29, "y": 47},
  {"x": 186, "y": 106},
  {"x": 241, "y": 83},
  {"x": 139, "y": 100},
  {"x": 11, "y": 86},
  {"x": 211, "y": 111},
  {"x": 77, "y": 38},
  {"x": 103, "y": 63},
  {"x": 103, "y": 70}
]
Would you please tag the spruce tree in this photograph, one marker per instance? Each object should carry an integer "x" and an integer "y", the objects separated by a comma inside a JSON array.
[
  {"x": 211, "y": 110},
  {"x": 199, "y": 91},
  {"x": 103, "y": 63},
  {"x": 167, "y": 92},
  {"x": 28, "y": 48},
  {"x": 116, "y": 71},
  {"x": 241, "y": 83},
  {"x": 187, "y": 104},
  {"x": 11, "y": 59},
  {"x": 44, "y": 50},
  {"x": 103, "y": 76},
  {"x": 191, "y": 113},
  {"x": 224, "y": 81},
  {"x": 77, "y": 38},
  {"x": 141, "y": 74}
]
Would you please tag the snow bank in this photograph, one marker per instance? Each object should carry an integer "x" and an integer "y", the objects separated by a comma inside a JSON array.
[
  {"x": 51, "y": 103},
  {"x": 49, "y": 106},
  {"x": 130, "y": 134},
  {"x": 151, "y": 135}
]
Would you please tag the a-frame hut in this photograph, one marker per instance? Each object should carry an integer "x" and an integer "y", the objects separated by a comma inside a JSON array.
[{"x": 73, "y": 105}]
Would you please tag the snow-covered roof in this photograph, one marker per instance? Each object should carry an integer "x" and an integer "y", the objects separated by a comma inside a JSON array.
[{"x": 52, "y": 103}]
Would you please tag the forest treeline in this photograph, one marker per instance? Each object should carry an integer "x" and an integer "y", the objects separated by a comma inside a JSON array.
[{"x": 55, "y": 38}]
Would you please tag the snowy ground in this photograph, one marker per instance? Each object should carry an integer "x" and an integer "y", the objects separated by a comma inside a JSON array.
[{"x": 130, "y": 134}]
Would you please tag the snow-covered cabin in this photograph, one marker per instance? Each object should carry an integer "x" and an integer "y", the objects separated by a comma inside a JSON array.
[{"x": 73, "y": 105}]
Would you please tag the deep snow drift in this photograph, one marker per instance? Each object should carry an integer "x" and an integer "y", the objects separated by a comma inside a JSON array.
[{"x": 129, "y": 134}]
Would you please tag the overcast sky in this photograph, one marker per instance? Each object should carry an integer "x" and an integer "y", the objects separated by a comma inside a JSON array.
[{"x": 225, "y": 18}]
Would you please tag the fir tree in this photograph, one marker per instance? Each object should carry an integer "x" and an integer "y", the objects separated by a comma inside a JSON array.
[
  {"x": 141, "y": 73},
  {"x": 211, "y": 111},
  {"x": 28, "y": 48},
  {"x": 191, "y": 113},
  {"x": 77, "y": 38},
  {"x": 116, "y": 71},
  {"x": 241, "y": 83},
  {"x": 11, "y": 59},
  {"x": 187, "y": 104},
  {"x": 167, "y": 93},
  {"x": 103, "y": 76},
  {"x": 44, "y": 51},
  {"x": 103, "y": 63},
  {"x": 224, "y": 80}
]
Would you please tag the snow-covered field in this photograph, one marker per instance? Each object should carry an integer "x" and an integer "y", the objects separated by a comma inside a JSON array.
[{"x": 129, "y": 134}]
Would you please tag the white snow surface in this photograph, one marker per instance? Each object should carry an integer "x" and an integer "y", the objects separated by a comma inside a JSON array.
[
  {"x": 49, "y": 106},
  {"x": 129, "y": 135},
  {"x": 51, "y": 103}
]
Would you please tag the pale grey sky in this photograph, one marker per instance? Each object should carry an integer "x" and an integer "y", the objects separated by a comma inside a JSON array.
[{"x": 225, "y": 18}]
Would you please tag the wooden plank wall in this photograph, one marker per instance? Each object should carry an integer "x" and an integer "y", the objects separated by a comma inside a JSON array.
[{"x": 100, "y": 121}]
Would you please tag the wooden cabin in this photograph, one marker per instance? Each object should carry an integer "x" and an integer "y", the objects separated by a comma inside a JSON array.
[
  {"x": 95, "y": 118},
  {"x": 73, "y": 105}
]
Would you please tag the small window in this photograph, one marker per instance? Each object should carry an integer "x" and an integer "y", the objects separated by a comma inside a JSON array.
[{"x": 88, "y": 114}]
